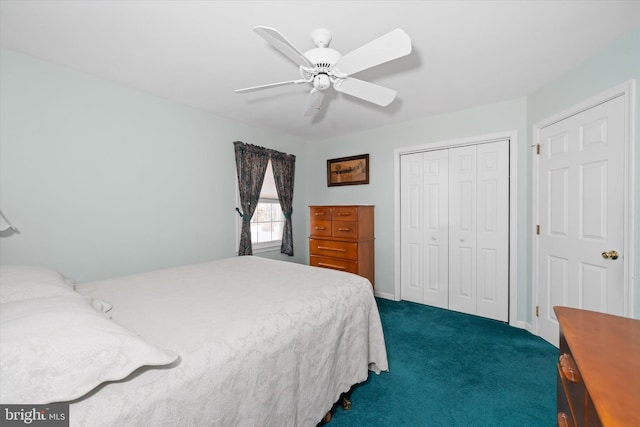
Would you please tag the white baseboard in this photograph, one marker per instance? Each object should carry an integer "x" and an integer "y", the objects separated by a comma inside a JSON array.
[
  {"x": 385, "y": 295},
  {"x": 522, "y": 325}
]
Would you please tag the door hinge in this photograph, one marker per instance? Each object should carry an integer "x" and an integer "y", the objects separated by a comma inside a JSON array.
[
  {"x": 537, "y": 311},
  {"x": 538, "y": 229},
  {"x": 538, "y": 149}
]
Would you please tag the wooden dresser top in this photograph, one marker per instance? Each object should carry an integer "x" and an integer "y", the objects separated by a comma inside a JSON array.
[{"x": 606, "y": 349}]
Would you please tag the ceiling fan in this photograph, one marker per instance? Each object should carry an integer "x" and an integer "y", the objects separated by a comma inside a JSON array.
[{"x": 324, "y": 67}]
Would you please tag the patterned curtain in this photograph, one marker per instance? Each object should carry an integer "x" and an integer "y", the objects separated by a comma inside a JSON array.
[
  {"x": 251, "y": 165},
  {"x": 284, "y": 175}
]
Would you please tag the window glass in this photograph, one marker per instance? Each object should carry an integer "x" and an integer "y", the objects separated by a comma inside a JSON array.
[{"x": 267, "y": 223}]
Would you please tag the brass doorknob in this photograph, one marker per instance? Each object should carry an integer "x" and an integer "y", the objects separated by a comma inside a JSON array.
[{"x": 610, "y": 255}]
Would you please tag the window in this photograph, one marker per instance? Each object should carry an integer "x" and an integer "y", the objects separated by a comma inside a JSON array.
[{"x": 267, "y": 223}]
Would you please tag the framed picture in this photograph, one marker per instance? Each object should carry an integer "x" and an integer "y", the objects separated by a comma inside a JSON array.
[{"x": 348, "y": 170}]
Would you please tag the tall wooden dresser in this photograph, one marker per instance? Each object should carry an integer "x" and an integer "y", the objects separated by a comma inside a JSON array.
[
  {"x": 598, "y": 369},
  {"x": 341, "y": 238}
]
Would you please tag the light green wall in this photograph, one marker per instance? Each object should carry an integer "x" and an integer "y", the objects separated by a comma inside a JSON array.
[
  {"x": 102, "y": 180},
  {"x": 615, "y": 65}
]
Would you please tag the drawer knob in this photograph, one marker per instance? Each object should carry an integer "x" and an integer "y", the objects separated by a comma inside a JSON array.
[
  {"x": 344, "y": 229},
  {"x": 344, "y": 213},
  {"x": 569, "y": 369},
  {"x": 563, "y": 420},
  {"x": 319, "y": 213},
  {"x": 320, "y": 228}
]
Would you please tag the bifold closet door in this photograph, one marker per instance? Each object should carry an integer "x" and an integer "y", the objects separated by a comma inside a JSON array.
[
  {"x": 493, "y": 231},
  {"x": 454, "y": 208},
  {"x": 462, "y": 229},
  {"x": 479, "y": 229},
  {"x": 424, "y": 252}
]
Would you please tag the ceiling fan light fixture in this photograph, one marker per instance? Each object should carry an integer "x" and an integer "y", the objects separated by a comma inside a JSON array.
[{"x": 321, "y": 82}]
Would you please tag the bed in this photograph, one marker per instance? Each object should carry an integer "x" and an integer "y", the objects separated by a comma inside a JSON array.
[{"x": 243, "y": 341}]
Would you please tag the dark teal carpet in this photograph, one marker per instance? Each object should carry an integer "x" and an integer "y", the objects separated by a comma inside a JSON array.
[{"x": 453, "y": 369}]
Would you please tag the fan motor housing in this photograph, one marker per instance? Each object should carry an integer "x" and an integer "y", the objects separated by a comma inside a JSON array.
[{"x": 323, "y": 57}]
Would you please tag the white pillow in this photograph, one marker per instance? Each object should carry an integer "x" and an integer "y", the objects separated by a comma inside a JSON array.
[
  {"x": 18, "y": 282},
  {"x": 60, "y": 348}
]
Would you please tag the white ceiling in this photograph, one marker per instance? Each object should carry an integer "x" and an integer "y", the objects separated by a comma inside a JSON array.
[{"x": 465, "y": 53}]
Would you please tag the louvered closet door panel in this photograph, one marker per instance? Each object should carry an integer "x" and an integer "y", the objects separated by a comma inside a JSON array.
[
  {"x": 412, "y": 229},
  {"x": 492, "y": 230},
  {"x": 462, "y": 229},
  {"x": 436, "y": 238}
]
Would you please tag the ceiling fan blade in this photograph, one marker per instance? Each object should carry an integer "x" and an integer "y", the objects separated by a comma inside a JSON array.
[
  {"x": 251, "y": 89},
  {"x": 278, "y": 41},
  {"x": 391, "y": 46},
  {"x": 314, "y": 102},
  {"x": 364, "y": 90}
]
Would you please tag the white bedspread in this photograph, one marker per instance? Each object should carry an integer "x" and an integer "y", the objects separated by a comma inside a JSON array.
[{"x": 261, "y": 343}]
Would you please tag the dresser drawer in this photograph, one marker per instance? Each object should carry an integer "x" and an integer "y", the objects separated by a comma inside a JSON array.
[
  {"x": 333, "y": 248},
  {"x": 320, "y": 212},
  {"x": 334, "y": 263},
  {"x": 345, "y": 229},
  {"x": 321, "y": 227},
  {"x": 345, "y": 213}
]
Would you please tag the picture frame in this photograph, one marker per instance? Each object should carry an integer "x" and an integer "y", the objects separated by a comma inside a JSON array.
[{"x": 353, "y": 170}]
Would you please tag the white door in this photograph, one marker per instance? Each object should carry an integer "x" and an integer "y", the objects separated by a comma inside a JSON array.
[
  {"x": 436, "y": 237},
  {"x": 454, "y": 228},
  {"x": 581, "y": 214},
  {"x": 424, "y": 232},
  {"x": 462, "y": 229},
  {"x": 412, "y": 229},
  {"x": 493, "y": 231},
  {"x": 479, "y": 230}
]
